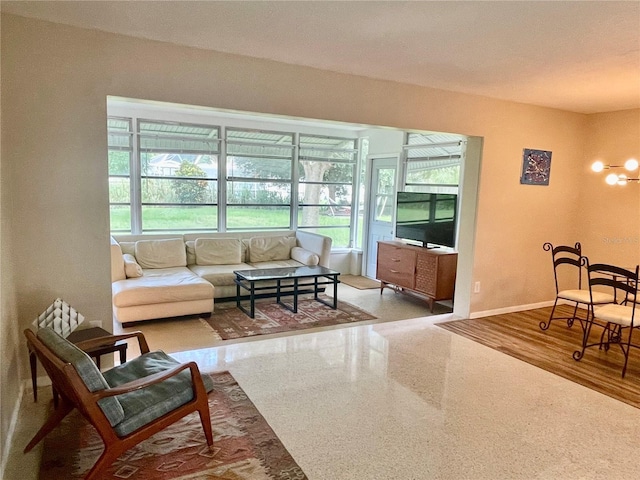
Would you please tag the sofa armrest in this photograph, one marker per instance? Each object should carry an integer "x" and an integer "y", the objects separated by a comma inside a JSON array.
[
  {"x": 316, "y": 243},
  {"x": 117, "y": 262}
]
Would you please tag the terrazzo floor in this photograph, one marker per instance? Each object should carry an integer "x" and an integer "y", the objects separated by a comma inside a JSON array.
[{"x": 409, "y": 400}]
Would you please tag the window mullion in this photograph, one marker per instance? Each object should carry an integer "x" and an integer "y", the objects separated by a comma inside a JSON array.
[
  {"x": 136, "y": 182},
  {"x": 222, "y": 181},
  {"x": 295, "y": 182}
]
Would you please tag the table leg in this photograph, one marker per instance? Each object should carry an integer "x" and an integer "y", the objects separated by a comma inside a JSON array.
[
  {"x": 334, "y": 304},
  {"x": 278, "y": 285},
  {"x": 123, "y": 354},
  {"x": 295, "y": 295},
  {"x": 253, "y": 299}
]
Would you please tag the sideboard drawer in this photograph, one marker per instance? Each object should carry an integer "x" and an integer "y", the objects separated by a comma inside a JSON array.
[
  {"x": 396, "y": 265},
  {"x": 428, "y": 272}
]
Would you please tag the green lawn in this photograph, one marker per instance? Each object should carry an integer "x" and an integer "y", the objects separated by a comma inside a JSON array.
[{"x": 246, "y": 218}]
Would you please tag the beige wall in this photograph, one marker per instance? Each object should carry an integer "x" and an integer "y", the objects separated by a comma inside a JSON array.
[
  {"x": 10, "y": 343},
  {"x": 610, "y": 215},
  {"x": 54, "y": 87}
]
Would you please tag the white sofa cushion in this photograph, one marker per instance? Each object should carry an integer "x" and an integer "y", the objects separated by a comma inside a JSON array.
[
  {"x": 304, "y": 256},
  {"x": 277, "y": 264},
  {"x": 131, "y": 267},
  {"x": 191, "y": 251},
  {"x": 161, "y": 253},
  {"x": 218, "y": 251},
  {"x": 161, "y": 285},
  {"x": 219, "y": 275},
  {"x": 267, "y": 249},
  {"x": 128, "y": 247}
]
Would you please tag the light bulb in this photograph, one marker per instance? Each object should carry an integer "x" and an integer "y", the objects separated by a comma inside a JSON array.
[
  {"x": 611, "y": 179},
  {"x": 622, "y": 179},
  {"x": 631, "y": 164},
  {"x": 597, "y": 166}
]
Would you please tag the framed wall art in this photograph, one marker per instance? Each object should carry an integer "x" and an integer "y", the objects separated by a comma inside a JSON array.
[{"x": 536, "y": 167}]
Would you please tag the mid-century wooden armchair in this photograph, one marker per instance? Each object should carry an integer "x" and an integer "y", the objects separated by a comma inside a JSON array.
[{"x": 127, "y": 403}]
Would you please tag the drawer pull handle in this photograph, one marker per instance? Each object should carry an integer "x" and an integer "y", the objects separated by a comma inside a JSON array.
[
  {"x": 393, "y": 271},
  {"x": 395, "y": 259}
]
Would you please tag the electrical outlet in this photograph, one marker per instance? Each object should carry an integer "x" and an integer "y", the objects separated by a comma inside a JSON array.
[
  {"x": 476, "y": 287},
  {"x": 95, "y": 323}
]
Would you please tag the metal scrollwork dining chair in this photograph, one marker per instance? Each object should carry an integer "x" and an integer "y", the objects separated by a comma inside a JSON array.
[
  {"x": 614, "y": 318},
  {"x": 568, "y": 266}
]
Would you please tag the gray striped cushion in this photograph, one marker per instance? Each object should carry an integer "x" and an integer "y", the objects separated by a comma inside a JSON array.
[
  {"x": 143, "y": 406},
  {"x": 87, "y": 370}
]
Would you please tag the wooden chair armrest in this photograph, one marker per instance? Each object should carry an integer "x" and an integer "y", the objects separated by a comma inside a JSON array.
[
  {"x": 112, "y": 339},
  {"x": 144, "y": 382}
]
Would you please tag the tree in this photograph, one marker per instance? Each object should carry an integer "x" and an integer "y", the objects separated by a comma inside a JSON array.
[{"x": 190, "y": 191}]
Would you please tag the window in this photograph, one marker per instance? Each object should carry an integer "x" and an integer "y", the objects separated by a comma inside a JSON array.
[
  {"x": 184, "y": 177},
  {"x": 432, "y": 163},
  {"x": 178, "y": 176},
  {"x": 326, "y": 177},
  {"x": 259, "y": 179},
  {"x": 120, "y": 155}
]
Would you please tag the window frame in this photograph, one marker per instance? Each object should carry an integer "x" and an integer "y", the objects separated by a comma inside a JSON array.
[{"x": 225, "y": 141}]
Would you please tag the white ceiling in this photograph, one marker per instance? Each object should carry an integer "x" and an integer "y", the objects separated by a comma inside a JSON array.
[{"x": 581, "y": 56}]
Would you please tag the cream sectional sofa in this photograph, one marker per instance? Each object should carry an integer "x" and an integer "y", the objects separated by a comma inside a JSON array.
[{"x": 159, "y": 276}]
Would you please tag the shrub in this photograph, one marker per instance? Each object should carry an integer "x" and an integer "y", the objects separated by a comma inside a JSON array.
[{"x": 190, "y": 191}]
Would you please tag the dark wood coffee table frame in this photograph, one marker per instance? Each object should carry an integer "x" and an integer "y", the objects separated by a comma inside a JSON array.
[{"x": 305, "y": 280}]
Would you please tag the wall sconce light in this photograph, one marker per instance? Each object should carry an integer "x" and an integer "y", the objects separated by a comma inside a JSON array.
[{"x": 617, "y": 178}]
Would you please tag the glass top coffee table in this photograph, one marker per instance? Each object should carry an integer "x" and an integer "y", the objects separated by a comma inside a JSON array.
[{"x": 286, "y": 281}]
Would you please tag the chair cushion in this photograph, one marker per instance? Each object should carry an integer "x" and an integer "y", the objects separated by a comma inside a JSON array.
[
  {"x": 143, "y": 406},
  {"x": 582, "y": 296},
  {"x": 87, "y": 370},
  {"x": 619, "y": 314}
]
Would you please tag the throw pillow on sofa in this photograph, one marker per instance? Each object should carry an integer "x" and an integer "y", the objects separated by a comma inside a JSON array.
[
  {"x": 268, "y": 249},
  {"x": 131, "y": 267},
  {"x": 161, "y": 253},
  {"x": 305, "y": 257},
  {"x": 218, "y": 251}
]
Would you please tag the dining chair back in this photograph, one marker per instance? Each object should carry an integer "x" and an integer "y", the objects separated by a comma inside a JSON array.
[
  {"x": 568, "y": 274},
  {"x": 615, "y": 319}
]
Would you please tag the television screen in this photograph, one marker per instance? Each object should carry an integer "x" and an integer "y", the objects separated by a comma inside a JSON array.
[{"x": 429, "y": 218}]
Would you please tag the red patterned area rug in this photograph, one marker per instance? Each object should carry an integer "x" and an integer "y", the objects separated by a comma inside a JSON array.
[
  {"x": 245, "y": 447},
  {"x": 230, "y": 322}
]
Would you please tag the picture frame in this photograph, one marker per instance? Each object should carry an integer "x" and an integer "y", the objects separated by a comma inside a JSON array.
[{"x": 536, "y": 167}]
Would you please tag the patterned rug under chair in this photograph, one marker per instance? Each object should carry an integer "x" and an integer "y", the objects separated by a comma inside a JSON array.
[{"x": 245, "y": 447}]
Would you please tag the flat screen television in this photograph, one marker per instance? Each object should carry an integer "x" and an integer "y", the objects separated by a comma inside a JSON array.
[{"x": 429, "y": 218}]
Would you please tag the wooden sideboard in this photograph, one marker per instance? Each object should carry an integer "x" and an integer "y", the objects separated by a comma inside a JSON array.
[{"x": 428, "y": 272}]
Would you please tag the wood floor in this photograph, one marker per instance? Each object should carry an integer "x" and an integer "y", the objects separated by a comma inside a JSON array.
[{"x": 518, "y": 334}]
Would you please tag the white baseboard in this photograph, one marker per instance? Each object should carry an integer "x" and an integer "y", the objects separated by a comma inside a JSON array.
[
  {"x": 516, "y": 308},
  {"x": 8, "y": 441}
]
